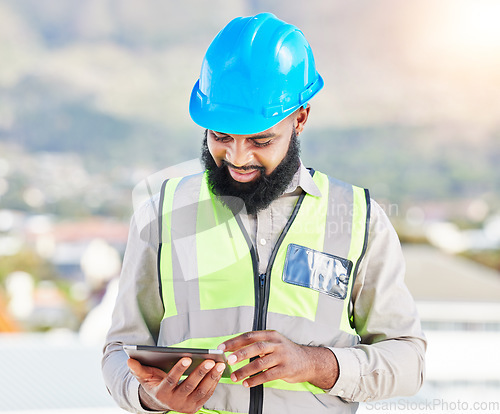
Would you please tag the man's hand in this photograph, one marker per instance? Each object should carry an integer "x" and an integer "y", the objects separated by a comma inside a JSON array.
[
  {"x": 162, "y": 391},
  {"x": 279, "y": 358}
]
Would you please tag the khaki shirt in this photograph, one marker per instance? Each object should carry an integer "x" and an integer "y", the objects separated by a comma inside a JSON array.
[{"x": 388, "y": 362}]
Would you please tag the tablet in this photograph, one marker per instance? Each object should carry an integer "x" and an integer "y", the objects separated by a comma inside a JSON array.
[{"x": 165, "y": 357}]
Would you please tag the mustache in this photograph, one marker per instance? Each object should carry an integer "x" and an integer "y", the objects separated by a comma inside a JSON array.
[{"x": 243, "y": 167}]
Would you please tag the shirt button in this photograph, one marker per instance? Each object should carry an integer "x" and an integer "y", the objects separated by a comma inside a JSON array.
[
  {"x": 263, "y": 242},
  {"x": 341, "y": 393}
]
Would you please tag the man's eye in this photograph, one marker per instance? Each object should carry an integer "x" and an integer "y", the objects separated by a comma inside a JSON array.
[
  {"x": 221, "y": 138},
  {"x": 262, "y": 144}
]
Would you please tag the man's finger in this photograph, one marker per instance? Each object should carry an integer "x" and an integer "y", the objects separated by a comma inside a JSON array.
[
  {"x": 207, "y": 385},
  {"x": 247, "y": 338},
  {"x": 251, "y": 351},
  {"x": 174, "y": 375},
  {"x": 135, "y": 367},
  {"x": 191, "y": 382},
  {"x": 266, "y": 376},
  {"x": 252, "y": 368},
  {"x": 143, "y": 372}
]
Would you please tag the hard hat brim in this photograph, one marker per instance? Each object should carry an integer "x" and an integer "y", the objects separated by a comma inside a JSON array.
[{"x": 231, "y": 119}]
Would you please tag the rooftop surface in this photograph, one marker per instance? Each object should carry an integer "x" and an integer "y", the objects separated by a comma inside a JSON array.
[
  {"x": 432, "y": 275},
  {"x": 52, "y": 373}
]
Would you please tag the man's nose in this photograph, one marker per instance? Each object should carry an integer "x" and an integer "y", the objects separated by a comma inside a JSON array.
[{"x": 238, "y": 154}]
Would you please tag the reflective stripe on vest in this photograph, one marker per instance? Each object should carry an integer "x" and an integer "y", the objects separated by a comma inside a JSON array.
[{"x": 210, "y": 285}]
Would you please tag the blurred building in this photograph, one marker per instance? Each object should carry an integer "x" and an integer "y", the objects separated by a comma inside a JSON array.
[{"x": 459, "y": 305}]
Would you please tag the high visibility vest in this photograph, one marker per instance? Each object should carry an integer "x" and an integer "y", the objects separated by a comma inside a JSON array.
[{"x": 212, "y": 290}]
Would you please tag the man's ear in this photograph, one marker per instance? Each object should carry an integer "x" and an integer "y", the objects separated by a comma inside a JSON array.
[{"x": 301, "y": 116}]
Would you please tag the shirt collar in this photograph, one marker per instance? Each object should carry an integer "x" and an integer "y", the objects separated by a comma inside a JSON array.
[{"x": 304, "y": 180}]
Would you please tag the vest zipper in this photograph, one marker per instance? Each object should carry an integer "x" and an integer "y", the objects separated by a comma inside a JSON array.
[
  {"x": 262, "y": 278},
  {"x": 257, "y": 393},
  {"x": 264, "y": 282},
  {"x": 262, "y": 291},
  {"x": 262, "y": 296}
]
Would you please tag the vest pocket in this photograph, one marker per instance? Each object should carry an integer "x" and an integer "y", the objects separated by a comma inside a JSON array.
[{"x": 317, "y": 270}]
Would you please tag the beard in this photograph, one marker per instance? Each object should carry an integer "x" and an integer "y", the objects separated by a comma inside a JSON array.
[{"x": 255, "y": 195}]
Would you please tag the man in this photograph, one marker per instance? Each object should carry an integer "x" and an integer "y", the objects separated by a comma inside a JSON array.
[{"x": 297, "y": 276}]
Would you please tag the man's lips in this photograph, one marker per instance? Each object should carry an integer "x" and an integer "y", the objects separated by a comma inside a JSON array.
[{"x": 243, "y": 176}]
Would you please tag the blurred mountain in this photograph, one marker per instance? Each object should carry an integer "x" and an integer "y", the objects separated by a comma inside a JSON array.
[{"x": 408, "y": 107}]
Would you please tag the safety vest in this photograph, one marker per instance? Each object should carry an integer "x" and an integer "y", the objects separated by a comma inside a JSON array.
[{"x": 212, "y": 290}]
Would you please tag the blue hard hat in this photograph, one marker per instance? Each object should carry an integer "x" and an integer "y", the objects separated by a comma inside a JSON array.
[{"x": 255, "y": 73}]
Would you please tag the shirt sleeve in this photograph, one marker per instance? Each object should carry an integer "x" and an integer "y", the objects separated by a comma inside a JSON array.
[
  {"x": 389, "y": 361},
  {"x": 138, "y": 310}
]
